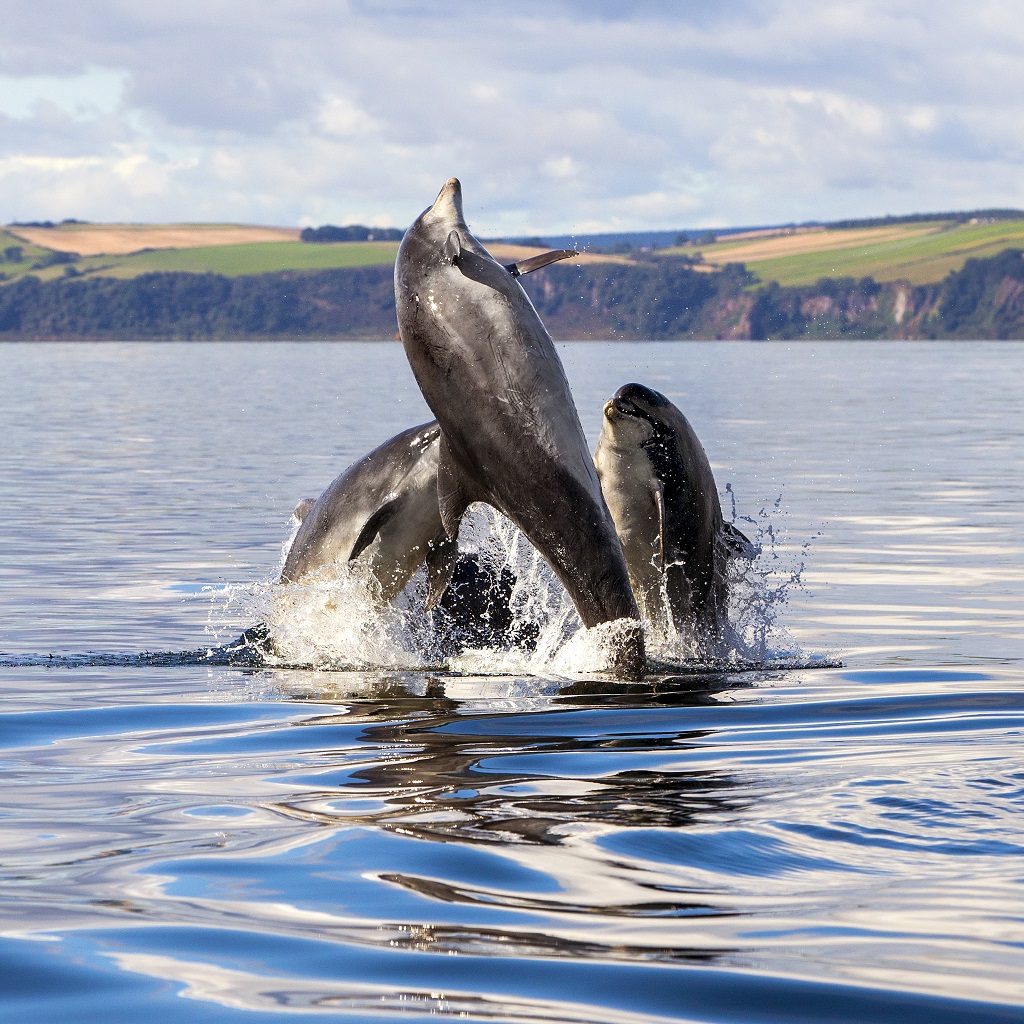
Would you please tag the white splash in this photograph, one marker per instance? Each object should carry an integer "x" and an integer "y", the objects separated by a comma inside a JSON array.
[{"x": 335, "y": 619}]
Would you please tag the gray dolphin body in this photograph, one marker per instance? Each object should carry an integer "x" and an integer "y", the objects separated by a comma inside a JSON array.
[
  {"x": 510, "y": 434},
  {"x": 662, "y": 495},
  {"x": 384, "y": 510}
]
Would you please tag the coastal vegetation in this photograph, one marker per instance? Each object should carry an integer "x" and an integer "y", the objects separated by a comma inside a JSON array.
[
  {"x": 928, "y": 276},
  {"x": 662, "y": 298}
]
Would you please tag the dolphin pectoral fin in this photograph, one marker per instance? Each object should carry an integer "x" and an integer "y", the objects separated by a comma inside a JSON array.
[
  {"x": 536, "y": 262},
  {"x": 453, "y": 496},
  {"x": 372, "y": 527},
  {"x": 737, "y": 544},
  {"x": 442, "y": 556},
  {"x": 302, "y": 509},
  {"x": 659, "y": 501},
  {"x": 452, "y": 247}
]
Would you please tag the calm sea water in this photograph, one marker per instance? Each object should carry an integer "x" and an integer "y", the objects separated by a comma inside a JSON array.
[{"x": 184, "y": 841}]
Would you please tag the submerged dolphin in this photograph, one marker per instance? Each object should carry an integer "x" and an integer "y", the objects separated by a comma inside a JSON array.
[
  {"x": 384, "y": 510},
  {"x": 510, "y": 434},
  {"x": 661, "y": 492}
]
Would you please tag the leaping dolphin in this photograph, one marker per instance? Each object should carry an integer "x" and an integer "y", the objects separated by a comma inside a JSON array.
[{"x": 510, "y": 433}]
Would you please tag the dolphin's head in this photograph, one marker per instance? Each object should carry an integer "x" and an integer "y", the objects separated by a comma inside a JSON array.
[
  {"x": 640, "y": 400},
  {"x": 634, "y": 415},
  {"x": 439, "y": 234}
]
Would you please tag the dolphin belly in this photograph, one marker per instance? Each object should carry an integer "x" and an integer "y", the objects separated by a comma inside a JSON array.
[{"x": 511, "y": 435}]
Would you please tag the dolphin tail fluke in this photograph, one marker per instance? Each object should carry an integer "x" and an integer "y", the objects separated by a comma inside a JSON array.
[
  {"x": 453, "y": 494},
  {"x": 536, "y": 262},
  {"x": 442, "y": 556}
]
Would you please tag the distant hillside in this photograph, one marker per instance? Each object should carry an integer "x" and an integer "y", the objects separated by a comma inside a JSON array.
[
  {"x": 955, "y": 217},
  {"x": 86, "y": 239},
  {"x": 659, "y": 299},
  {"x": 920, "y": 252},
  {"x": 917, "y": 248},
  {"x": 620, "y": 242},
  {"x": 229, "y": 250}
]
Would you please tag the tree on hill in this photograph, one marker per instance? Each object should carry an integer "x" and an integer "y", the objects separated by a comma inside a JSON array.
[
  {"x": 351, "y": 233},
  {"x": 957, "y": 216},
  {"x": 985, "y": 298}
]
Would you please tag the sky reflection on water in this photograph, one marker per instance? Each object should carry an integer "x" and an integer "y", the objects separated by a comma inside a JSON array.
[{"x": 838, "y": 844}]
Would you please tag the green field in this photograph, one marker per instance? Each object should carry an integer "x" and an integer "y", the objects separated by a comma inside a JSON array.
[
  {"x": 924, "y": 253},
  {"x": 31, "y": 254},
  {"x": 229, "y": 260},
  {"x": 921, "y": 253},
  {"x": 249, "y": 258}
]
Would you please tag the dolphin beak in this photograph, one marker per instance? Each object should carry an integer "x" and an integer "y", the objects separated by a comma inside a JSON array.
[{"x": 448, "y": 204}]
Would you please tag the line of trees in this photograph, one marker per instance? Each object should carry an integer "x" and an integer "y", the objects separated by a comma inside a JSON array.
[
  {"x": 957, "y": 217},
  {"x": 350, "y": 233},
  {"x": 659, "y": 299}
]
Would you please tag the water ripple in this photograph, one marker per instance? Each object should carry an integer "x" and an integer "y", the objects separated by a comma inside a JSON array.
[{"x": 788, "y": 826}]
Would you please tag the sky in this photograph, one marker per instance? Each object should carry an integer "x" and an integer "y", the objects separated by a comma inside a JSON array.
[{"x": 558, "y": 116}]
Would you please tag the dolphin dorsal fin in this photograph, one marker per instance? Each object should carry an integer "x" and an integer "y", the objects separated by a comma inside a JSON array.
[
  {"x": 542, "y": 260},
  {"x": 453, "y": 494},
  {"x": 302, "y": 509},
  {"x": 737, "y": 544},
  {"x": 452, "y": 247},
  {"x": 373, "y": 526}
]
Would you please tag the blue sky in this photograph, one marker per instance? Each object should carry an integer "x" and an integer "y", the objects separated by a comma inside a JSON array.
[{"x": 558, "y": 116}]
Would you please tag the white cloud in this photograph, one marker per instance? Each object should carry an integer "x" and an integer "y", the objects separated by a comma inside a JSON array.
[
  {"x": 556, "y": 115},
  {"x": 560, "y": 167},
  {"x": 340, "y": 116},
  {"x": 47, "y": 164},
  {"x": 921, "y": 119}
]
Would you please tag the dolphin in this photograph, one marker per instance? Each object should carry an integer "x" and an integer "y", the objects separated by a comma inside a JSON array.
[
  {"x": 510, "y": 433},
  {"x": 661, "y": 492},
  {"x": 382, "y": 509}
]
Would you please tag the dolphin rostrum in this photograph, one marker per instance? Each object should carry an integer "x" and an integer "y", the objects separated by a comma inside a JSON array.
[{"x": 510, "y": 433}]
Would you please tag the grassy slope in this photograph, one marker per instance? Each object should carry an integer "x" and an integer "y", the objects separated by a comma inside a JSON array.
[
  {"x": 249, "y": 258},
  {"x": 919, "y": 253},
  {"x": 30, "y": 253},
  {"x": 922, "y": 254}
]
